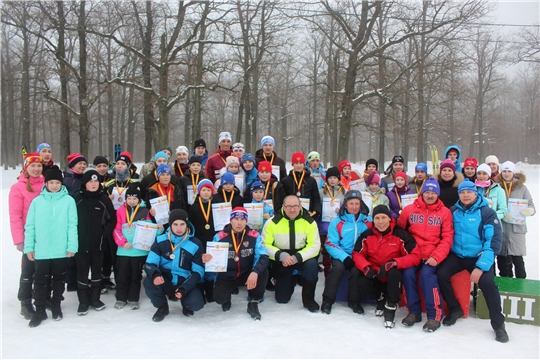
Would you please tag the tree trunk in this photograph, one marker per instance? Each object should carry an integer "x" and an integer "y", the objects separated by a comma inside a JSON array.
[
  {"x": 148, "y": 106},
  {"x": 421, "y": 141},
  {"x": 110, "y": 106},
  {"x": 25, "y": 85},
  {"x": 65, "y": 144},
  {"x": 84, "y": 124}
]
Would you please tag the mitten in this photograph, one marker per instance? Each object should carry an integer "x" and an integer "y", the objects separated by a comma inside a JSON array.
[
  {"x": 527, "y": 212},
  {"x": 369, "y": 272},
  {"x": 385, "y": 268},
  {"x": 508, "y": 218},
  {"x": 349, "y": 263}
]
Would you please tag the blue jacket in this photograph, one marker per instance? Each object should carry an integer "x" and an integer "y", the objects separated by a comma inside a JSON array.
[
  {"x": 344, "y": 230},
  {"x": 204, "y": 158},
  {"x": 477, "y": 233},
  {"x": 251, "y": 175},
  {"x": 458, "y": 162},
  {"x": 319, "y": 171},
  {"x": 186, "y": 269}
]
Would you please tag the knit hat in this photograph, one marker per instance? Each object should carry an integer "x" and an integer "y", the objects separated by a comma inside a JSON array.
[
  {"x": 182, "y": 150},
  {"x": 268, "y": 139},
  {"x": 89, "y": 174},
  {"x": 168, "y": 148},
  {"x": 125, "y": 156},
  {"x": 333, "y": 171},
  {"x": 43, "y": 146},
  {"x": 492, "y": 159},
  {"x": 467, "y": 185},
  {"x": 31, "y": 158},
  {"x": 227, "y": 178},
  {"x": 161, "y": 154},
  {"x": 205, "y": 183},
  {"x": 240, "y": 212},
  {"x": 231, "y": 160},
  {"x": 225, "y": 135},
  {"x": 264, "y": 166},
  {"x": 342, "y": 164},
  {"x": 163, "y": 169},
  {"x": 432, "y": 185},
  {"x": 448, "y": 164},
  {"x": 298, "y": 157},
  {"x": 352, "y": 194},
  {"x": 314, "y": 156},
  {"x": 199, "y": 142},
  {"x": 178, "y": 214},
  {"x": 257, "y": 185},
  {"x": 133, "y": 190},
  {"x": 75, "y": 158},
  {"x": 248, "y": 157},
  {"x": 400, "y": 174},
  {"x": 373, "y": 178},
  {"x": 238, "y": 146},
  {"x": 372, "y": 162},
  {"x": 398, "y": 158},
  {"x": 508, "y": 165},
  {"x": 470, "y": 162},
  {"x": 100, "y": 159},
  {"x": 381, "y": 209},
  {"x": 421, "y": 167},
  {"x": 485, "y": 168},
  {"x": 54, "y": 173},
  {"x": 195, "y": 159}
]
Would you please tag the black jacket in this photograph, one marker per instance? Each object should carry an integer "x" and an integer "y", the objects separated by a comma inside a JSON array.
[
  {"x": 275, "y": 192},
  {"x": 237, "y": 199},
  {"x": 196, "y": 218},
  {"x": 185, "y": 181},
  {"x": 259, "y": 156},
  {"x": 179, "y": 200},
  {"x": 151, "y": 179},
  {"x": 308, "y": 189}
]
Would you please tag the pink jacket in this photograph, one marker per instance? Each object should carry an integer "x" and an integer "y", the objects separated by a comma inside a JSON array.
[
  {"x": 121, "y": 219},
  {"x": 19, "y": 202}
]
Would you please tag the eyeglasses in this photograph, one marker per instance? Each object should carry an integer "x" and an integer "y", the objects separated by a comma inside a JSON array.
[{"x": 291, "y": 207}]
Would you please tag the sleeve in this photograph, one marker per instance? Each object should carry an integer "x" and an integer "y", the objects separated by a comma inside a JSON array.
[
  {"x": 278, "y": 193},
  {"x": 527, "y": 195},
  {"x": 268, "y": 239},
  {"x": 261, "y": 257},
  {"x": 197, "y": 273},
  {"x": 333, "y": 240},
  {"x": 315, "y": 198},
  {"x": 313, "y": 242},
  {"x": 110, "y": 217},
  {"x": 411, "y": 252},
  {"x": 361, "y": 251},
  {"x": 16, "y": 215},
  {"x": 442, "y": 250},
  {"x": 502, "y": 207},
  {"x": 491, "y": 233},
  {"x": 30, "y": 229},
  {"x": 118, "y": 237},
  {"x": 151, "y": 266},
  {"x": 403, "y": 219},
  {"x": 210, "y": 170},
  {"x": 73, "y": 223}
]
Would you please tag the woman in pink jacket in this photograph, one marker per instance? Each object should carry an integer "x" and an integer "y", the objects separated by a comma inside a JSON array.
[{"x": 21, "y": 194}]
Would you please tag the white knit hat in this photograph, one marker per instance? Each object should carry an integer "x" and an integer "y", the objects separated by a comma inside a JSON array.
[
  {"x": 508, "y": 165},
  {"x": 182, "y": 150},
  {"x": 492, "y": 159},
  {"x": 484, "y": 168}
]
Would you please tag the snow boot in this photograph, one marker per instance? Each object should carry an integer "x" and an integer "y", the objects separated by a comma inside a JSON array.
[
  {"x": 187, "y": 312},
  {"x": 451, "y": 318},
  {"x": 379, "y": 310},
  {"x": 431, "y": 325},
  {"x": 95, "y": 303},
  {"x": 501, "y": 335},
  {"x": 119, "y": 304},
  {"x": 38, "y": 317},
  {"x": 27, "y": 309},
  {"x": 56, "y": 311},
  {"x": 84, "y": 301},
  {"x": 389, "y": 315},
  {"x": 326, "y": 308},
  {"x": 356, "y": 308},
  {"x": 411, "y": 319},
  {"x": 161, "y": 312},
  {"x": 253, "y": 309},
  {"x": 308, "y": 295},
  {"x": 226, "y": 306}
]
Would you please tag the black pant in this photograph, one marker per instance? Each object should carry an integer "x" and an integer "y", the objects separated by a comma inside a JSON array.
[
  {"x": 128, "y": 277},
  {"x": 333, "y": 279},
  {"x": 454, "y": 264},
  {"x": 224, "y": 288},
  {"x": 157, "y": 294},
  {"x": 109, "y": 257},
  {"x": 47, "y": 270},
  {"x": 89, "y": 261},
  {"x": 71, "y": 270},
  {"x": 374, "y": 287},
  {"x": 27, "y": 279},
  {"x": 284, "y": 276}
]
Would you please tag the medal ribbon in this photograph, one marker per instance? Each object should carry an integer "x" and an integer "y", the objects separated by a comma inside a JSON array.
[
  {"x": 179, "y": 169},
  {"x": 123, "y": 188},
  {"x": 298, "y": 184},
  {"x": 206, "y": 214},
  {"x": 421, "y": 187},
  {"x": 331, "y": 191},
  {"x": 173, "y": 248},
  {"x": 222, "y": 159},
  {"x": 168, "y": 191},
  {"x": 398, "y": 197},
  {"x": 225, "y": 196},
  {"x": 266, "y": 191},
  {"x": 194, "y": 183},
  {"x": 271, "y": 160},
  {"x": 508, "y": 190},
  {"x": 237, "y": 247},
  {"x": 375, "y": 198},
  {"x": 130, "y": 218}
]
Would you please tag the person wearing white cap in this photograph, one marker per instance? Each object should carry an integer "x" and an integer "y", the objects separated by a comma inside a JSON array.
[
  {"x": 493, "y": 163},
  {"x": 267, "y": 153},
  {"x": 491, "y": 190},
  {"x": 238, "y": 149},
  {"x": 181, "y": 164},
  {"x": 217, "y": 160},
  {"x": 514, "y": 226}
]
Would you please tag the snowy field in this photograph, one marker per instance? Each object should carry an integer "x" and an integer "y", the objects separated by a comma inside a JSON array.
[{"x": 286, "y": 331}]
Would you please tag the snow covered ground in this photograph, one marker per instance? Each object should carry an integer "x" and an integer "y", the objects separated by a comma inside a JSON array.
[{"x": 286, "y": 331}]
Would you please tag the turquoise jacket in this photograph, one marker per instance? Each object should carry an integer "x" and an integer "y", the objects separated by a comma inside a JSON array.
[
  {"x": 51, "y": 225},
  {"x": 496, "y": 198}
]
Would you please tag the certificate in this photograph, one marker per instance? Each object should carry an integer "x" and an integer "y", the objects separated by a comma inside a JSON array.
[
  {"x": 514, "y": 207},
  {"x": 255, "y": 215},
  {"x": 329, "y": 209},
  {"x": 145, "y": 235},
  {"x": 304, "y": 202},
  {"x": 191, "y": 194},
  {"x": 161, "y": 205},
  {"x": 220, "y": 255},
  {"x": 118, "y": 199},
  {"x": 407, "y": 200},
  {"x": 222, "y": 215},
  {"x": 318, "y": 179},
  {"x": 368, "y": 200},
  {"x": 359, "y": 184},
  {"x": 269, "y": 203},
  {"x": 275, "y": 171},
  {"x": 239, "y": 182}
]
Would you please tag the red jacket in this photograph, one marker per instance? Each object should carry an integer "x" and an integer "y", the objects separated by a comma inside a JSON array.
[
  {"x": 375, "y": 249},
  {"x": 215, "y": 163},
  {"x": 431, "y": 226}
]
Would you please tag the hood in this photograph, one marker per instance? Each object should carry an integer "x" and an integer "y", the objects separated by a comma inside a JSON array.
[
  {"x": 176, "y": 239},
  {"x": 455, "y": 147},
  {"x": 364, "y": 209},
  {"x": 519, "y": 179},
  {"x": 392, "y": 226},
  {"x": 54, "y": 196}
]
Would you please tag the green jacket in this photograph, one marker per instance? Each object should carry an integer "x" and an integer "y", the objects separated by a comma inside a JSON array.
[{"x": 51, "y": 225}]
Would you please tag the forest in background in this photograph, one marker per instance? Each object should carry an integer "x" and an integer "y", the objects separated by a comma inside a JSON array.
[{"x": 350, "y": 79}]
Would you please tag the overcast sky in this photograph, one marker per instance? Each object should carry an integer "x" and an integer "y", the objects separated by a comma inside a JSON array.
[{"x": 518, "y": 12}]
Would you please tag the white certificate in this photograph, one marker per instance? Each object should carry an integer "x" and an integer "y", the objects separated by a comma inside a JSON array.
[
  {"x": 222, "y": 215},
  {"x": 145, "y": 235},
  {"x": 255, "y": 215},
  {"x": 359, "y": 184},
  {"x": 239, "y": 182},
  {"x": 407, "y": 200},
  {"x": 329, "y": 209},
  {"x": 318, "y": 179},
  {"x": 368, "y": 200},
  {"x": 269, "y": 203},
  {"x": 191, "y": 194},
  {"x": 304, "y": 202},
  {"x": 161, "y": 205},
  {"x": 275, "y": 171},
  {"x": 220, "y": 255},
  {"x": 514, "y": 207}
]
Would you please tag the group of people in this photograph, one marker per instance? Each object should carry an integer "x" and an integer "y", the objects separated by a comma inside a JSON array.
[{"x": 383, "y": 231}]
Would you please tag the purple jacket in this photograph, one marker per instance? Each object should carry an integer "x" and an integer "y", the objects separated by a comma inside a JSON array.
[{"x": 395, "y": 206}]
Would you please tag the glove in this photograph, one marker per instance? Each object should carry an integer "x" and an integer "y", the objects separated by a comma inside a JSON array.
[
  {"x": 508, "y": 218},
  {"x": 369, "y": 272},
  {"x": 349, "y": 263},
  {"x": 527, "y": 212},
  {"x": 385, "y": 268}
]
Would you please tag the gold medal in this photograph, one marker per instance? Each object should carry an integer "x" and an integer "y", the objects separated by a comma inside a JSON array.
[
  {"x": 120, "y": 199},
  {"x": 298, "y": 194},
  {"x": 207, "y": 226},
  {"x": 236, "y": 258}
]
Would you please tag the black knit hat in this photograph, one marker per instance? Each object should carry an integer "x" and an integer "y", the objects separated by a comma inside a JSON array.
[
  {"x": 372, "y": 162},
  {"x": 54, "y": 173},
  {"x": 133, "y": 190},
  {"x": 381, "y": 209},
  {"x": 199, "y": 142},
  {"x": 398, "y": 158},
  {"x": 333, "y": 171},
  {"x": 195, "y": 159},
  {"x": 178, "y": 214},
  {"x": 90, "y": 174},
  {"x": 100, "y": 160}
]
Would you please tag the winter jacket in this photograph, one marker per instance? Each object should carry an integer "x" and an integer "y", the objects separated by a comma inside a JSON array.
[
  {"x": 123, "y": 233},
  {"x": 204, "y": 159},
  {"x": 378, "y": 198},
  {"x": 178, "y": 201},
  {"x": 389, "y": 183},
  {"x": 252, "y": 253},
  {"x": 196, "y": 217},
  {"x": 308, "y": 189},
  {"x": 374, "y": 248},
  {"x": 297, "y": 237},
  {"x": 185, "y": 268},
  {"x": 458, "y": 161},
  {"x": 222, "y": 196},
  {"x": 97, "y": 219},
  {"x": 180, "y": 169},
  {"x": 275, "y": 192},
  {"x": 240, "y": 172},
  {"x": 250, "y": 177},
  {"x": 190, "y": 180},
  {"x": 431, "y": 226},
  {"x": 338, "y": 192},
  {"x": 319, "y": 171},
  {"x": 215, "y": 163},
  {"x": 72, "y": 181},
  {"x": 394, "y": 198},
  {"x": 496, "y": 198},
  {"x": 416, "y": 186},
  {"x": 514, "y": 236},
  {"x": 151, "y": 179},
  {"x": 449, "y": 194},
  {"x": 112, "y": 186},
  {"x": 347, "y": 181},
  {"x": 19, "y": 203},
  {"x": 51, "y": 225},
  {"x": 277, "y": 161},
  {"x": 477, "y": 233},
  {"x": 345, "y": 230}
]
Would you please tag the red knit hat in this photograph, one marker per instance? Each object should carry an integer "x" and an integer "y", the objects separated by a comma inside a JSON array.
[
  {"x": 298, "y": 157},
  {"x": 448, "y": 164},
  {"x": 373, "y": 178},
  {"x": 401, "y": 174},
  {"x": 125, "y": 156},
  {"x": 264, "y": 166},
  {"x": 31, "y": 158},
  {"x": 470, "y": 162},
  {"x": 342, "y": 164},
  {"x": 75, "y": 158}
]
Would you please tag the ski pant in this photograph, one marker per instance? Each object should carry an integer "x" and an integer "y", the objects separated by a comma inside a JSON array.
[
  {"x": 47, "y": 270},
  {"x": 109, "y": 257},
  {"x": 157, "y": 294},
  {"x": 27, "y": 279},
  {"x": 331, "y": 284},
  {"x": 71, "y": 270},
  {"x": 224, "y": 288},
  {"x": 284, "y": 276},
  {"x": 374, "y": 287},
  {"x": 128, "y": 277},
  {"x": 454, "y": 264},
  {"x": 326, "y": 259},
  {"x": 89, "y": 261},
  {"x": 507, "y": 263},
  {"x": 429, "y": 285}
]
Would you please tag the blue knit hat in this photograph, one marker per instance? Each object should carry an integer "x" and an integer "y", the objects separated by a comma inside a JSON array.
[
  {"x": 161, "y": 154},
  {"x": 421, "y": 167},
  {"x": 203, "y": 183},
  {"x": 268, "y": 139},
  {"x": 467, "y": 185},
  {"x": 43, "y": 146},
  {"x": 257, "y": 185},
  {"x": 227, "y": 178},
  {"x": 431, "y": 185},
  {"x": 162, "y": 169},
  {"x": 248, "y": 157}
]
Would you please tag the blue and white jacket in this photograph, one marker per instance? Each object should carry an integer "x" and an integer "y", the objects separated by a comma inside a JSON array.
[
  {"x": 185, "y": 269},
  {"x": 458, "y": 161},
  {"x": 477, "y": 233}
]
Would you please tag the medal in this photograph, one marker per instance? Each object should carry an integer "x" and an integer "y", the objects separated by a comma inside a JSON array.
[
  {"x": 172, "y": 256},
  {"x": 236, "y": 258},
  {"x": 237, "y": 244},
  {"x": 207, "y": 226},
  {"x": 400, "y": 212},
  {"x": 298, "y": 183},
  {"x": 331, "y": 203},
  {"x": 298, "y": 194},
  {"x": 120, "y": 199},
  {"x": 206, "y": 215},
  {"x": 129, "y": 231}
]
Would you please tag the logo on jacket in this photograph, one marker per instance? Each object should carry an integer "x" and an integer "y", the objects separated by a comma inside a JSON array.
[{"x": 245, "y": 243}]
